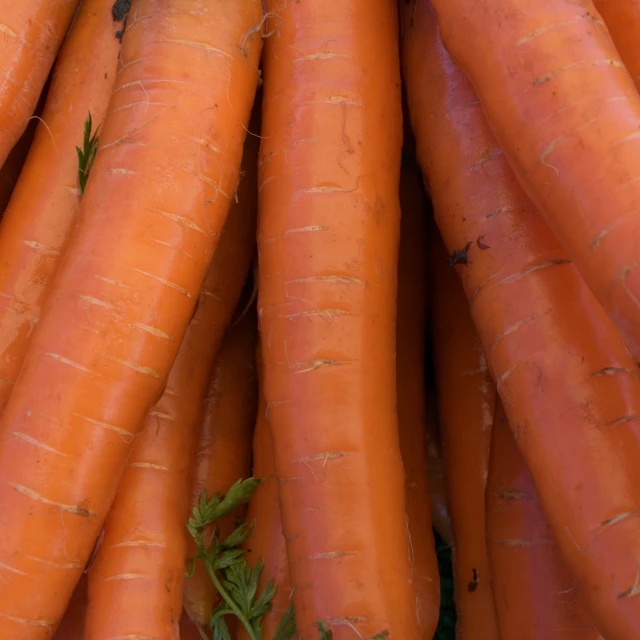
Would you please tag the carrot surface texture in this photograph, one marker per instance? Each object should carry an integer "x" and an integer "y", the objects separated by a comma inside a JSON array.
[
  {"x": 30, "y": 34},
  {"x": 570, "y": 388},
  {"x": 150, "y": 219},
  {"x": 223, "y": 452},
  {"x": 536, "y": 596},
  {"x": 136, "y": 580},
  {"x": 44, "y": 207},
  {"x": 565, "y": 110},
  {"x": 328, "y": 233},
  {"x": 466, "y": 401},
  {"x": 412, "y": 409},
  {"x": 622, "y": 18}
]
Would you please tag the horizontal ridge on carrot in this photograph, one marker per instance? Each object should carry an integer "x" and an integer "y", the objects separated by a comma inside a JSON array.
[{"x": 151, "y": 216}]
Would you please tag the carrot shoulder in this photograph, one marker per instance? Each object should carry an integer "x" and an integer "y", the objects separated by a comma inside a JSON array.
[
  {"x": 569, "y": 386},
  {"x": 466, "y": 399},
  {"x": 44, "y": 206},
  {"x": 328, "y": 232},
  {"x": 565, "y": 111},
  {"x": 154, "y": 207},
  {"x": 536, "y": 596},
  {"x": 31, "y": 31}
]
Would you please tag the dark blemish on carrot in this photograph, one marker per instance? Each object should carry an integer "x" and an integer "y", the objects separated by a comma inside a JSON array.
[
  {"x": 120, "y": 11},
  {"x": 460, "y": 257},
  {"x": 481, "y": 245},
  {"x": 473, "y": 585}
]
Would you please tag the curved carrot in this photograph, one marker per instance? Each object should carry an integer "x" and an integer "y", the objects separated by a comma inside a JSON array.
[
  {"x": 565, "y": 111},
  {"x": 466, "y": 401},
  {"x": 536, "y": 596},
  {"x": 267, "y": 540},
  {"x": 72, "y": 626},
  {"x": 622, "y": 18},
  {"x": 30, "y": 34},
  {"x": 569, "y": 386},
  {"x": 150, "y": 218},
  {"x": 223, "y": 452},
  {"x": 43, "y": 210},
  {"x": 328, "y": 227},
  {"x": 136, "y": 580},
  {"x": 412, "y": 410}
]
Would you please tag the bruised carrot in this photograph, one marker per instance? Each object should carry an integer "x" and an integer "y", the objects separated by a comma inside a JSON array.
[
  {"x": 72, "y": 626},
  {"x": 412, "y": 410},
  {"x": 43, "y": 209},
  {"x": 328, "y": 227},
  {"x": 149, "y": 221},
  {"x": 266, "y": 541},
  {"x": 31, "y": 32},
  {"x": 536, "y": 596},
  {"x": 223, "y": 453},
  {"x": 466, "y": 402},
  {"x": 622, "y": 18},
  {"x": 565, "y": 110},
  {"x": 569, "y": 386}
]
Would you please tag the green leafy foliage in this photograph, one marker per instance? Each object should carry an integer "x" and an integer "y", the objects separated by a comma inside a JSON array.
[{"x": 87, "y": 154}]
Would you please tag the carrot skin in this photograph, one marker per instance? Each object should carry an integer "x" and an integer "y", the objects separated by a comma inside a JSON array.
[
  {"x": 565, "y": 110},
  {"x": 124, "y": 294},
  {"x": 328, "y": 232},
  {"x": 44, "y": 207},
  {"x": 410, "y": 385},
  {"x": 536, "y": 596},
  {"x": 569, "y": 386},
  {"x": 223, "y": 452},
  {"x": 32, "y": 31},
  {"x": 466, "y": 401}
]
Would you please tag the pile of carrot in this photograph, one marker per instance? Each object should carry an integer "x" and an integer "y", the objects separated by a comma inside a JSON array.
[{"x": 300, "y": 297}]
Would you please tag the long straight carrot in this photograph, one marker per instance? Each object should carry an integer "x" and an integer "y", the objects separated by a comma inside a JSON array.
[
  {"x": 565, "y": 111},
  {"x": 412, "y": 409},
  {"x": 223, "y": 453},
  {"x": 149, "y": 221},
  {"x": 536, "y": 596},
  {"x": 136, "y": 581},
  {"x": 466, "y": 402},
  {"x": 30, "y": 34},
  {"x": 43, "y": 210},
  {"x": 569, "y": 386},
  {"x": 267, "y": 541},
  {"x": 328, "y": 232},
  {"x": 622, "y": 18}
]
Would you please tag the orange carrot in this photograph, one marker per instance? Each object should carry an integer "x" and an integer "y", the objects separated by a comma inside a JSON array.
[
  {"x": 565, "y": 110},
  {"x": 31, "y": 32},
  {"x": 267, "y": 540},
  {"x": 466, "y": 401},
  {"x": 569, "y": 386},
  {"x": 149, "y": 221},
  {"x": 43, "y": 210},
  {"x": 223, "y": 453},
  {"x": 412, "y": 410},
  {"x": 72, "y": 626},
  {"x": 328, "y": 246},
  {"x": 622, "y": 18},
  {"x": 536, "y": 596}
]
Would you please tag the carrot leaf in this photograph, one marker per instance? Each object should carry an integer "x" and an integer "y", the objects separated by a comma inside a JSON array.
[
  {"x": 286, "y": 629},
  {"x": 87, "y": 154},
  {"x": 323, "y": 632}
]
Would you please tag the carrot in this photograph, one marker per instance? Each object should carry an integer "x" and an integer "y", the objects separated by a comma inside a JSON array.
[
  {"x": 149, "y": 221},
  {"x": 565, "y": 110},
  {"x": 328, "y": 231},
  {"x": 72, "y": 626},
  {"x": 136, "y": 581},
  {"x": 223, "y": 452},
  {"x": 466, "y": 401},
  {"x": 43, "y": 210},
  {"x": 266, "y": 541},
  {"x": 536, "y": 596},
  {"x": 622, "y": 18},
  {"x": 188, "y": 629},
  {"x": 412, "y": 410},
  {"x": 569, "y": 386},
  {"x": 31, "y": 32}
]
